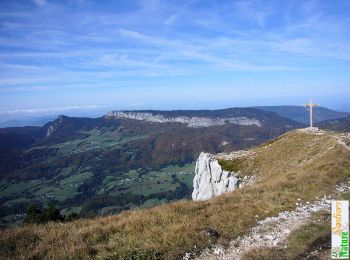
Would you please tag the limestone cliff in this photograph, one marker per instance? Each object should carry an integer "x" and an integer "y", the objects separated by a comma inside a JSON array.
[
  {"x": 211, "y": 180},
  {"x": 190, "y": 121}
]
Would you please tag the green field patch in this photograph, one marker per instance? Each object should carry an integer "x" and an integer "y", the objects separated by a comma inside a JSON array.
[
  {"x": 187, "y": 178},
  {"x": 112, "y": 184},
  {"x": 76, "y": 179},
  {"x": 102, "y": 138},
  {"x": 152, "y": 202},
  {"x": 13, "y": 188},
  {"x": 70, "y": 210},
  {"x": 62, "y": 190},
  {"x": 151, "y": 182},
  {"x": 132, "y": 138},
  {"x": 12, "y": 220},
  {"x": 10, "y": 203},
  {"x": 3, "y": 182},
  {"x": 183, "y": 173},
  {"x": 99, "y": 139},
  {"x": 109, "y": 210},
  {"x": 65, "y": 172}
]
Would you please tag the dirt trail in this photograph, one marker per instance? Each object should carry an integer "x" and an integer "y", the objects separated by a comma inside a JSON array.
[
  {"x": 269, "y": 232},
  {"x": 272, "y": 231},
  {"x": 343, "y": 139}
]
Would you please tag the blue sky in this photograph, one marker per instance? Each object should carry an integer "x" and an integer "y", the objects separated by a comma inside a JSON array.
[{"x": 57, "y": 56}]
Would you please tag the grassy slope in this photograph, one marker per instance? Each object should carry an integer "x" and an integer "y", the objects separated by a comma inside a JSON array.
[
  {"x": 296, "y": 165},
  {"x": 312, "y": 239}
]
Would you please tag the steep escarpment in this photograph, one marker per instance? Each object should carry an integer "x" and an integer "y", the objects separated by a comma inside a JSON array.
[
  {"x": 189, "y": 121},
  {"x": 206, "y": 118}
]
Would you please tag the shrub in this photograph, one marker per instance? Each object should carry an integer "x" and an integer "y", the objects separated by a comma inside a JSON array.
[{"x": 37, "y": 216}]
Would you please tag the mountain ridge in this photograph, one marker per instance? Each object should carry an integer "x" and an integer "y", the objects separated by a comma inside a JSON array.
[
  {"x": 301, "y": 114},
  {"x": 339, "y": 124},
  {"x": 296, "y": 113}
]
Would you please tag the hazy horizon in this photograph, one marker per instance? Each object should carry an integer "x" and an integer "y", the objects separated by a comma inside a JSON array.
[{"x": 11, "y": 118}]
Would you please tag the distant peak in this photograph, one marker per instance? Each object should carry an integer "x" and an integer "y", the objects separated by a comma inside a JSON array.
[{"x": 55, "y": 124}]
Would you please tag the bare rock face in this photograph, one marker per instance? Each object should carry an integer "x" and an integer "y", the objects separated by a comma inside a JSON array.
[
  {"x": 52, "y": 128},
  {"x": 210, "y": 180},
  {"x": 190, "y": 121}
]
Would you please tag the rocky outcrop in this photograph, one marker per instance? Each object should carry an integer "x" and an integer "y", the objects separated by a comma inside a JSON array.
[
  {"x": 211, "y": 180},
  {"x": 54, "y": 125},
  {"x": 190, "y": 121}
]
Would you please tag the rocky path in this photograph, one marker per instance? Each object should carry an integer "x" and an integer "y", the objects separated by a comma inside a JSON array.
[
  {"x": 343, "y": 139},
  {"x": 272, "y": 231},
  {"x": 269, "y": 232}
]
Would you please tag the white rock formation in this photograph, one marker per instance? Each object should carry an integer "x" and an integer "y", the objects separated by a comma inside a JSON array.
[
  {"x": 52, "y": 128},
  {"x": 190, "y": 121},
  {"x": 210, "y": 180}
]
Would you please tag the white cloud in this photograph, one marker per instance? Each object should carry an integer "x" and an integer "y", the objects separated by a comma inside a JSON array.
[
  {"x": 50, "y": 109},
  {"x": 138, "y": 104},
  {"x": 40, "y": 2}
]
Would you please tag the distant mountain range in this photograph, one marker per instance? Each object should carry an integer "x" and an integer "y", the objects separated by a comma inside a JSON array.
[
  {"x": 340, "y": 124},
  {"x": 31, "y": 121},
  {"x": 301, "y": 114},
  {"x": 297, "y": 113}
]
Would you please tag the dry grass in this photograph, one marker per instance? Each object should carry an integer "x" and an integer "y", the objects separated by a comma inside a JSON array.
[
  {"x": 295, "y": 166},
  {"x": 310, "y": 238},
  {"x": 300, "y": 243},
  {"x": 232, "y": 165}
]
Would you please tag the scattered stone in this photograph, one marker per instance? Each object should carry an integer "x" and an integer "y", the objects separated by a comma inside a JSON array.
[
  {"x": 269, "y": 232},
  {"x": 209, "y": 232}
]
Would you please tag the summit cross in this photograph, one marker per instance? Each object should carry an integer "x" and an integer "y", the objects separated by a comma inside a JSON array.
[{"x": 311, "y": 106}]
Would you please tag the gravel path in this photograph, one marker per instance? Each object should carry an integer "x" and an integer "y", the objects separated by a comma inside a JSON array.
[
  {"x": 269, "y": 232},
  {"x": 272, "y": 231},
  {"x": 342, "y": 140}
]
